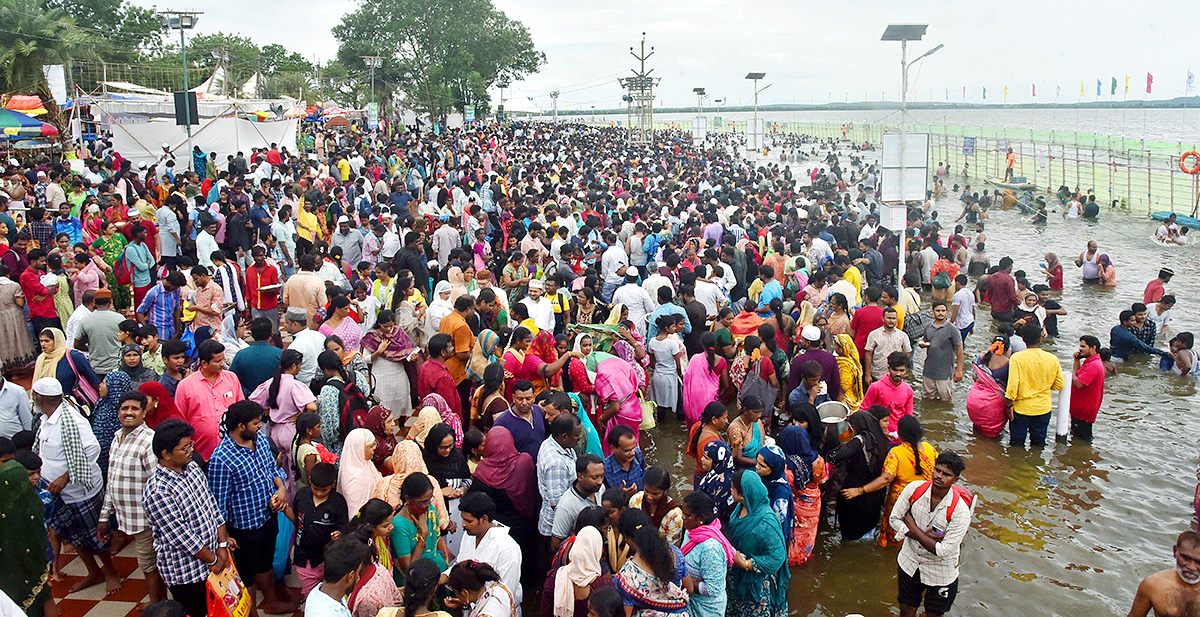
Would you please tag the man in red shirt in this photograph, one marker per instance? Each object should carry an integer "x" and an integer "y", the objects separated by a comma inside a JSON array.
[
  {"x": 1002, "y": 291},
  {"x": 893, "y": 393},
  {"x": 273, "y": 156},
  {"x": 1155, "y": 289},
  {"x": 41, "y": 298},
  {"x": 867, "y": 320},
  {"x": 263, "y": 274},
  {"x": 434, "y": 378},
  {"x": 1087, "y": 387},
  {"x": 153, "y": 242}
]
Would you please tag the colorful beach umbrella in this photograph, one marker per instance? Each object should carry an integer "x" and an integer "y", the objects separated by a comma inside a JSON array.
[
  {"x": 17, "y": 125},
  {"x": 28, "y": 104}
]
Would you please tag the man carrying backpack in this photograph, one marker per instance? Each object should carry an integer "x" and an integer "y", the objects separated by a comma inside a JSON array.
[{"x": 932, "y": 518}]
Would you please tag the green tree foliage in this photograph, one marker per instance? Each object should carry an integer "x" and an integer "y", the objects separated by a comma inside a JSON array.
[
  {"x": 31, "y": 39},
  {"x": 121, "y": 31},
  {"x": 444, "y": 53}
]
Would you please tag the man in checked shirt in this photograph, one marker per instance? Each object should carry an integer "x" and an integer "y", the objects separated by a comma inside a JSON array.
[
  {"x": 189, "y": 532},
  {"x": 131, "y": 461}
]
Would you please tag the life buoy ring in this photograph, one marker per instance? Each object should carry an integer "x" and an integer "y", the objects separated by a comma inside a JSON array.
[{"x": 1195, "y": 169}]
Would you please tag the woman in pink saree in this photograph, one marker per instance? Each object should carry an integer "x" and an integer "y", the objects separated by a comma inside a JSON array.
[
  {"x": 702, "y": 379},
  {"x": 617, "y": 386}
]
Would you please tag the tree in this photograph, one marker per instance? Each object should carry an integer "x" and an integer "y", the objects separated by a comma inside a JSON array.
[
  {"x": 33, "y": 39},
  {"x": 447, "y": 53},
  {"x": 122, "y": 31}
]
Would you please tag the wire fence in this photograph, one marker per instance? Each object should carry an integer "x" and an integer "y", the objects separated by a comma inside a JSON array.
[{"x": 1123, "y": 173}]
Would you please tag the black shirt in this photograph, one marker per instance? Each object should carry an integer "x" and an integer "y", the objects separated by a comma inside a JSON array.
[
  {"x": 1051, "y": 323},
  {"x": 315, "y": 524}
]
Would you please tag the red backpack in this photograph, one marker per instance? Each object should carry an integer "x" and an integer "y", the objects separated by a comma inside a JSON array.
[{"x": 959, "y": 493}]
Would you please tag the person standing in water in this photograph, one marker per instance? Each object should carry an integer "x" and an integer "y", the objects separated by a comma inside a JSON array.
[
  {"x": 1172, "y": 592},
  {"x": 1089, "y": 261}
]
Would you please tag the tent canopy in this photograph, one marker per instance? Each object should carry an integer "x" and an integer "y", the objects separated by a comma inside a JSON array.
[
  {"x": 29, "y": 104},
  {"x": 16, "y": 125}
]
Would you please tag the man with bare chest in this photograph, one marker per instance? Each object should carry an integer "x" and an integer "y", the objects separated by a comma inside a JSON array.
[{"x": 1173, "y": 593}]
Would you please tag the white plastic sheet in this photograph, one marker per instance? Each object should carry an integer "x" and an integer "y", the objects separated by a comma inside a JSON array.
[{"x": 143, "y": 142}]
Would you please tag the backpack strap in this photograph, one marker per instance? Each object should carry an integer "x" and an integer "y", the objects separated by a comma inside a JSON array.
[{"x": 958, "y": 494}]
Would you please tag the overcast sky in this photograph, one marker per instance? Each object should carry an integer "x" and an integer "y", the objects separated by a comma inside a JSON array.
[{"x": 811, "y": 52}]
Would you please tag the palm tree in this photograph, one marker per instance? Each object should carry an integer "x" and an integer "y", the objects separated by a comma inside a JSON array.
[{"x": 34, "y": 38}]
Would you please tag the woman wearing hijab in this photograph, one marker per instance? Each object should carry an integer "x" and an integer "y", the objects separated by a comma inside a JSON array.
[
  {"x": 383, "y": 426},
  {"x": 806, "y": 471},
  {"x": 357, "y": 475},
  {"x": 160, "y": 405},
  {"x": 772, "y": 468},
  {"x": 758, "y": 580},
  {"x": 438, "y": 402},
  {"x": 104, "y": 419},
  {"x": 717, "y": 463},
  {"x": 439, "y": 307},
  {"x": 576, "y": 378},
  {"x": 446, "y": 462},
  {"x": 53, "y": 362},
  {"x": 708, "y": 555},
  {"x": 862, "y": 458},
  {"x": 487, "y": 350},
  {"x": 25, "y": 577},
  {"x": 388, "y": 349},
  {"x": 131, "y": 356},
  {"x": 425, "y": 420},
  {"x": 458, "y": 283},
  {"x": 575, "y": 582},
  {"x": 509, "y": 477},
  {"x": 911, "y": 461},
  {"x": 1053, "y": 270},
  {"x": 543, "y": 346}
]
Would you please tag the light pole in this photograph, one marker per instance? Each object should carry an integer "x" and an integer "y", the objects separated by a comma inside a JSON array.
[
  {"x": 502, "y": 84},
  {"x": 372, "y": 62},
  {"x": 905, "y": 33},
  {"x": 755, "y": 77},
  {"x": 554, "y": 97},
  {"x": 181, "y": 21},
  {"x": 699, "y": 105}
]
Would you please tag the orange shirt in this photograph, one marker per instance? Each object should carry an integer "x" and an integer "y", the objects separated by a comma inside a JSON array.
[{"x": 463, "y": 339}]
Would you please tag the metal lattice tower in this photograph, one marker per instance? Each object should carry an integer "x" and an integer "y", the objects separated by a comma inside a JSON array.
[{"x": 639, "y": 98}]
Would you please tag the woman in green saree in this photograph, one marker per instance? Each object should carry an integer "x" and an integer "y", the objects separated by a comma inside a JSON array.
[
  {"x": 758, "y": 580},
  {"x": 26, "y": 572}
]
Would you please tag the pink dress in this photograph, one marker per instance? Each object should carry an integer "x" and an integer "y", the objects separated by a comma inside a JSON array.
[
  {"x": 700, "y": 386},
  {"x": 617, "y": 381},
  {"x": 349, "y": 331}
]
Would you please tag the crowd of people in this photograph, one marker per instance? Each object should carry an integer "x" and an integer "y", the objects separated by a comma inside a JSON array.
[{"x": 418, "y": 374}]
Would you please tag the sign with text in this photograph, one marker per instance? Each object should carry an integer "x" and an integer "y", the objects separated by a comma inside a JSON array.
[
  {"x": 468, "y": 113},
  {"x": 372, "y": 115},
  {"x": 905, "y": 165},
  {"x": 968, "y": 146}
]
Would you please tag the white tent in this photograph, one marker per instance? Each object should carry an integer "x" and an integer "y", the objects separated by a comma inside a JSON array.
[
  {"x": 250, "y": 89},
  {"x": 215, "y": 85}
]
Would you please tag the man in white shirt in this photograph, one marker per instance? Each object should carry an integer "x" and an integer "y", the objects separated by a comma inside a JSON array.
[
  {"x": 206, "y": 244},
  {"x": 345, "y": 561},
  {"x": 817, "y": 250},
  {"x": 446, "y": 239},
  {"x": 308, "y": 341},
  {"x": 709, "y": 294},
  {"x": 613, "y": 263},
  {"x": 75, "y": 321},
  {"x": 541, "y": 310},
  {"x": 962, "y": 311},
  {"x": 654, "y": 281},
  {"x": 842, "y": 286},
  {"x": 15, "y": 415},
  {"x": 489, "y": 542},
  {"x": 636, "y": 299}
]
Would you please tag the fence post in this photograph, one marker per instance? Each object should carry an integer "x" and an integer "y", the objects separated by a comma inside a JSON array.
[{"x": 1149, "y": 205}]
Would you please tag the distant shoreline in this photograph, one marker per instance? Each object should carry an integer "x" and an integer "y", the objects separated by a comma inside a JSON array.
[{"x": 1181, "y": 102}]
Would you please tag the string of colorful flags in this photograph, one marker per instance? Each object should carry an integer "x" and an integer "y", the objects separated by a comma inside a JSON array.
[{"x": 1114, "y": 86}]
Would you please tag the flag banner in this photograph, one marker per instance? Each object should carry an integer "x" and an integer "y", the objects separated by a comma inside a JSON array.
[
  {"x": 1098, "y": 86},
  {"x": 1126, "y": 84},
  {"x": 1006, "y": 93},
  {"x": 985, "y": 93},
  {"x": 1081, "y": 87},
  {"x": 1057, "y": 90},
  {"x": 1149, "y": 82},
  {"x": 1034, "y": 87},
  {"x": 1191, "y": 82},
  {"x": 947, "y": 94},
  {"x": 1114, "y": 85},
  {"x": 964, "y": 92}
]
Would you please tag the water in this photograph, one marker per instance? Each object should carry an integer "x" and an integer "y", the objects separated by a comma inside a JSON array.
[{"x": 1068, "y": 530}]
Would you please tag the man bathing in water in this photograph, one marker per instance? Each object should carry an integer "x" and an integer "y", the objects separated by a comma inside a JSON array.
[{"x": 1173, "y": 593}]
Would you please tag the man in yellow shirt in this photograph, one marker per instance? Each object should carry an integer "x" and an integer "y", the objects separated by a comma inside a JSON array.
[
  {"x": 308, "y": 228},
  {"x": 1032, "y": 374},
  {"x": 343, "y": 168}
]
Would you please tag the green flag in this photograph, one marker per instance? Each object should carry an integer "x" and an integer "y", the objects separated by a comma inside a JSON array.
[
  {"x": 1114, "y": 85},
  {"x": 985, "y": 92}
]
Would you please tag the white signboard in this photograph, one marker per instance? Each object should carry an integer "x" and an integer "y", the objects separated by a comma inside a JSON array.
[
  {"x": 906, "y": 166},
  {"x": 700, "y": 129}
]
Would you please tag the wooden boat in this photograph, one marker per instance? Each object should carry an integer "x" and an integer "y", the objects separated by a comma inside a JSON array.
[{"x": 1018, "y": 184}]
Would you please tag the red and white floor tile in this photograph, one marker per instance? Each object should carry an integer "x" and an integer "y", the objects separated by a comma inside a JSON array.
[{"x": 92, "y": 602}]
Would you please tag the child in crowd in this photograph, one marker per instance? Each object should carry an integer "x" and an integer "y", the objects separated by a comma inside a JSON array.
[
  {"x": 318, "y": 513},
  {"x": 33, "y": 464}
]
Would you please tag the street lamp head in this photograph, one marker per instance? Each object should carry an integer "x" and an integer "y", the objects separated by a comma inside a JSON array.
[
  {"x": 755, "y": 76},
  {"x": 187, "y": 21}
]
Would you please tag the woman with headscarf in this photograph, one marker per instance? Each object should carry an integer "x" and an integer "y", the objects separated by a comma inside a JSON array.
[
  {"x": 53, "y": 362},
  {"x": 357, "y": 475},
  {"x": 104, "y": 418},
  {"x": 131, "y": 365},
  {"x": 617, "y": 386},
  {"x": 425, "y": 420},
  {"x": 1053, "y": 270},
  {"x": 388, "y": 350},
  {"x": 576, "y": 378},
  {"x": 574, "y": 582},
  {"x": 509, "y": 477},
  {"x": 703, "y": 379},
  {"x": 772, "y": 466},
  {"x": 758, "y": 580},
  {"x": 439, "y": 307},
  {"x": 487, "y": 349},
  {"x": 708, "y": 555},
  {"x": 806, "y": 471},
  {"x": 544, "y": 347},
  {"x": 160, "y": 405},
  {"x": 862, "y": 459},
  {"x": 445, "y": 461},
  {"x": 25, "y": 577},
  {"x": 382, "y": 424},
  {"x": 458, "y": 283},
  {"x": 452, "y": 418},
  {"x": 1108, "y": 272},
  {"x": 849, "y": 369},
  {"x": 717, "y": 463},
  {"x": 406, "y": 460}
]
